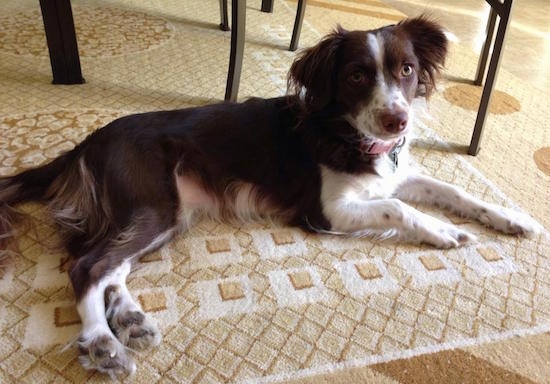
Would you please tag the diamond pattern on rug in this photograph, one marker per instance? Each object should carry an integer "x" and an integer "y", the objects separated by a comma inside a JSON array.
[
  {"x": 256, "y": 302},
  {"x": 309, "y": 303}
]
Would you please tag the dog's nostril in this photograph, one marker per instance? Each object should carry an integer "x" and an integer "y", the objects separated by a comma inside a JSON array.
[
  {"x": 402, "y": 125},
  {"x": 394, "y": 122}
]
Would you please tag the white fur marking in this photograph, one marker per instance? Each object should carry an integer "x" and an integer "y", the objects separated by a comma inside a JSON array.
[
  {"x": 191, "y": 194},
  {"x": 91, "y": 307},
  {"x": 427, "y": 190},
  {"x": 385, "y": 97},
  {"x": 363, "y": 206},
  {"x": 376, "y": 45},
  {"x": 239, "y": 202}
]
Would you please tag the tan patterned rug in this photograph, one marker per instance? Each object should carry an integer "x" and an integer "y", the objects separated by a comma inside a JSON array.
[{"x": 261, "y": 303}]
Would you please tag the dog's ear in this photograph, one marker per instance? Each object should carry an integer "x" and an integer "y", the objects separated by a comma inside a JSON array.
[
  {"x": 430, "y": 46},
  {"x": 312, "y": 73}
]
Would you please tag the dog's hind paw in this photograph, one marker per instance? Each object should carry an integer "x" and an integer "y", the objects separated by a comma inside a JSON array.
[
  {"x": 130, "y": 325},
  {"x": 105, "y": 354},
  {"x": 135, "y": 330}
]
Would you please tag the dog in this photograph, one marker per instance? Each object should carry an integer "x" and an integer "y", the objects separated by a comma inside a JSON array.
[{"x": 330, "y": 157}]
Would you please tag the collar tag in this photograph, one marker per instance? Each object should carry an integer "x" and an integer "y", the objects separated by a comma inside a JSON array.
[{"x": 394, "y": 152}]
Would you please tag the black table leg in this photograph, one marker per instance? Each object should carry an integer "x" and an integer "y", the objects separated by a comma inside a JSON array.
[
  {"x": 300, "y": 11},
  {"x": 267, "y": 6},
  {"x": 61, "y": 39},
  {"x": 224, "y": 23},
  {"x": 238, "y": 17},
  {"x": 504, "y": 11}
]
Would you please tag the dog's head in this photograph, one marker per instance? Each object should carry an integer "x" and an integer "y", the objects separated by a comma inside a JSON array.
[{"x": 371, "y": 77}]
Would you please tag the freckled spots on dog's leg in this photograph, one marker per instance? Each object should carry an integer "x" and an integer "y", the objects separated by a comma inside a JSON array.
[
  {"x": 428, "y": 191},
  {"x": 462, "y": 238},
  {"x": 386, "y": 216},
  {"x": 110, "y": 292},
  {"x": 478, "y": 212}
]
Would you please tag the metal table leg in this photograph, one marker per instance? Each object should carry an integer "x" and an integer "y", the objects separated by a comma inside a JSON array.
[
  {"x": 502, "y": 8},
  {"x": 61, "y": 38},
  {"x": 300, "y": 11},
  {"x": 238, "y": 18},
  {"x": 267, "y": 6},
  {"x": 224, "y": 19}
]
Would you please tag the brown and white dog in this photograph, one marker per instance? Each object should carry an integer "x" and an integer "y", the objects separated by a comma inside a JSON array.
[{"x": 323, "y": 158}]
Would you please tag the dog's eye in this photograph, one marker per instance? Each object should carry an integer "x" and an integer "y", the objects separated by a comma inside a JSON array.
[
  {"x": 357, "y": 77},
  {"x": 407, "y": 70}
]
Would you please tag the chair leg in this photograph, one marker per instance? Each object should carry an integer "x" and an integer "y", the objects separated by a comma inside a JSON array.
[
  {"x": 238, "y": 15},
  {"x": 224, "y": 19},
  {"x": 505, "y": 13},
  {"x": 300, "y": 11},
  {"x": 267, "y": 6},
  {"x": 489, "y": 37},
  {"x": 61, "y": 38}
]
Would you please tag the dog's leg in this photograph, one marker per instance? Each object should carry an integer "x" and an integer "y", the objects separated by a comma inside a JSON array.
[
  {"x": 391, "y": 218},
  {"x": 111, "y": 319},
  {"x": 99, "y": 348},
  {"x": 426, "y": 190}
]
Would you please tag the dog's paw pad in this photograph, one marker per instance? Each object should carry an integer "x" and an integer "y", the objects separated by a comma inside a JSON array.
[
  {"x": 131, "y": 326},
  {"x": 137, "y": 331},
  {"x": 105, "y": 354}
]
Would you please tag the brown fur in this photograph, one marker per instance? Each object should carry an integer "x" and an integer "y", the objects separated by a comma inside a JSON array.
[{"x": 118, "y": 194}]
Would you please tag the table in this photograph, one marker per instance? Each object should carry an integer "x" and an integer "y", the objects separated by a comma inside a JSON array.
[{"x": 63, "y": 48}]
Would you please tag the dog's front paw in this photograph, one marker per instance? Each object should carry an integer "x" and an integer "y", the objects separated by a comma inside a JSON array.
[
  {"x": 509, "y": 221},
  {"x": 105, "y": 354},
  {"x": 442, "y": 235}
]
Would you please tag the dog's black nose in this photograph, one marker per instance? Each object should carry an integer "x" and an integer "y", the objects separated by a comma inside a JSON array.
[{"x": 394, "y": 121}]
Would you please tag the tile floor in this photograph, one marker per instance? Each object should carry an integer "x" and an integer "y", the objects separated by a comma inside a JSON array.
[{"x": 527, "y": 48}]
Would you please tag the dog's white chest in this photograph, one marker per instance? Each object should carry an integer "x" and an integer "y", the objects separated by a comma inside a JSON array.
[{"x": 336, "y": 185}]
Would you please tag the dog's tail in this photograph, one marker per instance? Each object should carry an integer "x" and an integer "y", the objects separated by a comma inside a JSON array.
[{"x": 31, "y": 185}]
